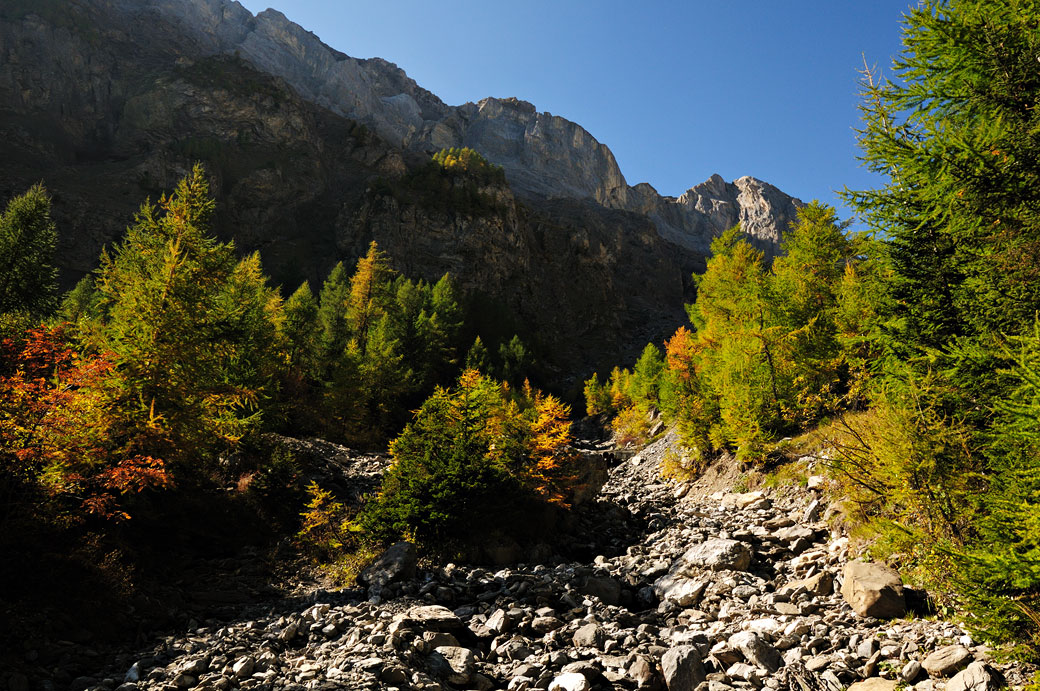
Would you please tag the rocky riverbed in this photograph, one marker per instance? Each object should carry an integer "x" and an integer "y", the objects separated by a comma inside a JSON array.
[{"x": 693, "y": 586}]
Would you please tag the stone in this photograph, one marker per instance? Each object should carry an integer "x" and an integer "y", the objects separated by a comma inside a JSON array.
[
  {"x": 589, "y": 636},
  {"x": 874, "y": 684},
  {"x": 569, "y": 681},
  {"x": 134, "y": 673},
  {"x": 911, "y": 670},
  {"x": 947, "y": 661},
  {"x": 243, "y": 667},
  {"x": 683, "y": 668},
  {"x": 820, "y": 584},
  {"x": 816, "y": 481},
  {"x": 499, "y": 621},
  {"x": 454, "y": 663},
  {"x": 742, "y": 670},
  {"x": 431, "y": 618},
  {"x": 978, "y": 676},
  {"x": 684, "y": 592},
  {"x": 641, "y": 672},
  {"x": 873, "y": 590},
  {"x": 605, "y": 588},
  {"x": 718, "y": 555},
  {"x": 757, "y": 650},
  {"x": 544, "y": 625},
  {"x": 397, "y": 563}
]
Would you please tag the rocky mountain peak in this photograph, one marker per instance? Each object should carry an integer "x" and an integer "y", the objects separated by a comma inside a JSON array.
[{"x": 543, "y": 155}]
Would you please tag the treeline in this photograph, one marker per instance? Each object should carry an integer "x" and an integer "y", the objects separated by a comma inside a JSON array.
[
  {"x": 917, "y": 352},
  {"x": 175, "y": 353}
]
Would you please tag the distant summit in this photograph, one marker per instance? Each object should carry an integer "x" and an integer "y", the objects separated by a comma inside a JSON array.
[{"x": 542, "y": 154}]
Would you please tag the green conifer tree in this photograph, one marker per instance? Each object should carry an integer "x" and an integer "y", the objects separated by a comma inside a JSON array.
[{"x": 28, "y": 276}]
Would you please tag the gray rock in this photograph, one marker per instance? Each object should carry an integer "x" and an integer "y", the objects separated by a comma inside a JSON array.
[
  {"x": 243, "y": 667},
  {"x": 683, "y": 668},
  {"x": 911, "y": 670},
  {"x": 946, "y": 661},
  {"x": 589, "y": 636},
  {"x": 453, "y": 663},
  {"x": 684, "y": 592},
  {"x": 718, "y": 555},
  {"x": 978, "y": 676},
  {"x": 873, "y": 590},
  {"x": 395, "y": 564},
  {"x": 569, "y": 681},
  {"x": 757, "y": 650}
]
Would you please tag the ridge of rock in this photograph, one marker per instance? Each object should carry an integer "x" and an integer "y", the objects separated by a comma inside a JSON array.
[{"x": 542, "y": 154}]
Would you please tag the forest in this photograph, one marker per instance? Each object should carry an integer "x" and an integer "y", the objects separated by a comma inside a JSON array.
[{"x": 906, "y": 356}]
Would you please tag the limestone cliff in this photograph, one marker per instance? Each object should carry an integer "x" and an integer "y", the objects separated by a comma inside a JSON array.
[
  {"x": 543, "y": 154},
  {"x": 110, "y": 101}
]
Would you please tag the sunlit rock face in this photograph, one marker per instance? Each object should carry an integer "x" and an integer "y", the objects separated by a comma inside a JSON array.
[{"x": 542, "y": 154}]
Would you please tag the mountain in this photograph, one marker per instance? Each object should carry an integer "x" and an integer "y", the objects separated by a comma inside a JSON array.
[{"x": 314, "y": 153}]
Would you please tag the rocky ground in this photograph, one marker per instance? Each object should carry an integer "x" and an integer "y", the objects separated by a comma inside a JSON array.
[{"x": 690, "y": 586}]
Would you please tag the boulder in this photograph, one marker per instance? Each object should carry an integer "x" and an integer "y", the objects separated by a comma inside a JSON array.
[
  {"x": 978, "y": 676},
  {"x": 874, "y": 684},
  {"x": 683, "y": 668},
  {"x": 757, "y": 650},
  {"x": 947, "y": 661},
  {"x": 569, "y": 681},
  {"x": 873, "y": 590},
  {"x": 395, "y": 564},
  {"x": 684, "y": 592},
  {"x": 453, "y": 663},
  {"x": 718, "y": 555},
  {"x": 589, "y": 636}
]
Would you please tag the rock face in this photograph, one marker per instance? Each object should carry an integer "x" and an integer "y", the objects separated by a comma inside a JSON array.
[
  {"x": 542, "y": 154},
  {"x": 109, "y": 101},
  {"x": 873, "y": 590}
]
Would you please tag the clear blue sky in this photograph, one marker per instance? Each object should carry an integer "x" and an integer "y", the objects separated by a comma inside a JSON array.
[{"x": 678, "y": 90}]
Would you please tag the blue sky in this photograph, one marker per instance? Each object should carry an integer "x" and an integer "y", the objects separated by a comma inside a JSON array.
[{"x": 677, "y": 90}]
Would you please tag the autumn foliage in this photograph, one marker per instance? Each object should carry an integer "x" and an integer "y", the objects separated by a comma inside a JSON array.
[
  {"x": 63, "y": 454},
  {"x": 469, "y": 459}
]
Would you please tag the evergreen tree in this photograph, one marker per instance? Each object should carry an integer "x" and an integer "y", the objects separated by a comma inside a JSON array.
[
  {"x": 804, "y": 290},
  {"x": 477, "y": 358},
  {"x": 956, "y": 136},
  {"x": 300, "y": 329},
  {"x": 334, "y": 331},
  {"x": 515, "y": 361},
  {"x": 28, "y": 276},
  {"x": 188, "y": 326}
]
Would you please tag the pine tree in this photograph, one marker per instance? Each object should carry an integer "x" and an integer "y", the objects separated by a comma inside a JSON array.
[
  {"x": 188, "y": 326},
  {"x": 300, "y": 329},
  {"x": 477, "y": 358},
  {"x": 334, "y": 331},
  {"x": 28, "y": 276}
]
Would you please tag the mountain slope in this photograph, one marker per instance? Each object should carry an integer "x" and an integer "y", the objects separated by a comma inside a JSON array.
[{"x": 312, "y": 153}]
